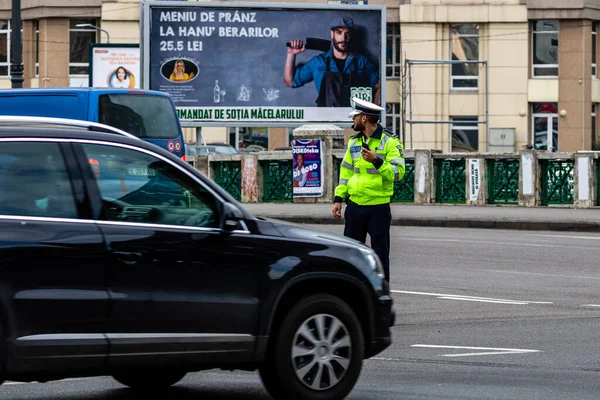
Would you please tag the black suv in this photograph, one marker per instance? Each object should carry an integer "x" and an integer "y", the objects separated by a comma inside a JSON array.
[{"x": 118, "y": 258}]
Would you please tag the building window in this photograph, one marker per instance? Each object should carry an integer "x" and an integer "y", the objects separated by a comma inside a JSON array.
[
  {"x": 545, "y": 49},
  {"x": 392, "y": 63},
  {"x": 4, "y": 48},
  {"x": 594, "y": 140},
  {"x": 79, "y": 40},
  {"x": 37, "y": 47},
  {"x": 464, "y": 134},
  {"x": 465, "y": 47},
  {"x": 392, "y": 117},
  {"x": 594, "y": 44},
  {"x": 544, "y": 126}
]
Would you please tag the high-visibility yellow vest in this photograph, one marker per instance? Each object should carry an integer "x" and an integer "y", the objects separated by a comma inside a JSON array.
[{"x": 371, "y": 183}]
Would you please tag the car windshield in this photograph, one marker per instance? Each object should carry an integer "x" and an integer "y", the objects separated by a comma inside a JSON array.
[
  {"x": 224, "y": 150},
  {"x": 216, "y": 149},
  {"x": 141, "y": 115}
]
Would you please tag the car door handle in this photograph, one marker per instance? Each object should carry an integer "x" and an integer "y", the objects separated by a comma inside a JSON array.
[{"x": 128, "y": 257}]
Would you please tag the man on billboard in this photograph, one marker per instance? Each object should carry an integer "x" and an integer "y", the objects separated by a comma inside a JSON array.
[{"x": 338, "y": 73}]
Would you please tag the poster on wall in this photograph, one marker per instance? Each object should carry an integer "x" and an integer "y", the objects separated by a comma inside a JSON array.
[
  {"x": 226, "y": 64},
  {"x": 307, "y": 167},
  {"x": 115, "y": 65},
  {"x": 474, "y": 179}
]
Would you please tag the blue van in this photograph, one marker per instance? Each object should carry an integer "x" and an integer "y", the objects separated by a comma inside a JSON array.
[{"x": 147, "y": 114}]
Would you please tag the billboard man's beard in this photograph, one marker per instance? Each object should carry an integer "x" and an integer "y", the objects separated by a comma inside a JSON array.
[{"x": 338, "y": 48}]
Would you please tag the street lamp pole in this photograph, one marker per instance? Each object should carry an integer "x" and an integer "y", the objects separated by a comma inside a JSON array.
[
  {"x": 95, "y": 27},
  {"x": 16, "y": 65}
]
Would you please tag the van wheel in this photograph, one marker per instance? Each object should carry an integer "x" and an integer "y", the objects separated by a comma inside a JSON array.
[
  {"x": 317, "y": 351},
  {"x": 148, "y": 380}
]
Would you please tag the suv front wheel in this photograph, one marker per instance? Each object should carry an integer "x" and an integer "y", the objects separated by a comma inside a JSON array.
[{"x": 317, "y": 353}]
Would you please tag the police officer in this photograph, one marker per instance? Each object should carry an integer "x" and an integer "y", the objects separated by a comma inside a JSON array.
[{"x": 373, "y": 162}]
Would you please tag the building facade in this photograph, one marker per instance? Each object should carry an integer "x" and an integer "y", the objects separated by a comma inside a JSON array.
[
  {"x": 461, "y": 75},
  {"x": 537, "y": 74}
]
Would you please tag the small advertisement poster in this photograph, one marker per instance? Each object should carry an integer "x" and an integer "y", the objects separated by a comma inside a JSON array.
[
  {"x": 475, "y": 179},
  {"x": 115, "y": 65},
  {"x": 308, "y": 168}
]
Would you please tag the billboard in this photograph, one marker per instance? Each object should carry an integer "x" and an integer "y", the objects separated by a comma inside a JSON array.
[
  {"x": 307, "y": 167},
  {"x": 253, "y": 64},
  {"x": 115, "y": 65}
]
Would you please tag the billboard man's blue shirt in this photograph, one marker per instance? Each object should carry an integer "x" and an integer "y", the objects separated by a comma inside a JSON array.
[{"x": 314, "y": 69}]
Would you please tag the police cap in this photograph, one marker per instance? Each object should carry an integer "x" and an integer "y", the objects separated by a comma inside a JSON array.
[
  {"x": 342, "y": 22},
  {"x": 364, "y": 107}
]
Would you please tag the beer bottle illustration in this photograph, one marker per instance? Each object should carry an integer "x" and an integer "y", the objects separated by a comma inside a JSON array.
[{"x": 217, "y": 92}]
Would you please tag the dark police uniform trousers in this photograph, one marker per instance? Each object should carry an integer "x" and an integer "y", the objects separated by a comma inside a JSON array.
[{"x": 374, "y": 220}]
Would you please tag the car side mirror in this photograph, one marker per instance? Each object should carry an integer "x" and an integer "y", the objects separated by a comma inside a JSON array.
[{"x": 231, "y": 217}]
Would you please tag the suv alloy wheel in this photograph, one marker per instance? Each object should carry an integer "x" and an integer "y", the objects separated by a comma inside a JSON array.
[{"x": 317, "y": 352}]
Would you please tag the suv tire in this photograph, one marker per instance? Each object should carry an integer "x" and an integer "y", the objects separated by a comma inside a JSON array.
[
  {"x": 317, "y": 351},
  {"x": 148, "y": 380}
]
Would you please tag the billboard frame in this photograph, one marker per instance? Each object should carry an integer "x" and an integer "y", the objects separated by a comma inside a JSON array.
[
  {"x": 91, "y": 48},
  {"x": 145, "y": 21}
]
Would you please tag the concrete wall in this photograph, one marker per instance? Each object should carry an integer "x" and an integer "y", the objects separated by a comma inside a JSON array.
[
  {"x": 508, "y": 68},
  {"x": 503, "y": 43},
  {"x": 575, "y": 94},
  {"x": 463, "y": 2},
  {"x": 583, "y": 182},
  {"x": 54, "y": 52},
  {"x": 122, "y": 20}
]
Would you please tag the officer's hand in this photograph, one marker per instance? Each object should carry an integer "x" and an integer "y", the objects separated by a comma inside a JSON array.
[
  {"x": 297, "y": 47},
  {"x": 337, "y": 210},
  {"x": 368, "y": 155}
]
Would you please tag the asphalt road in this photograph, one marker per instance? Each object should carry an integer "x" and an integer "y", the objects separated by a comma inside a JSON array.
[{"x": 482, "y": 314}]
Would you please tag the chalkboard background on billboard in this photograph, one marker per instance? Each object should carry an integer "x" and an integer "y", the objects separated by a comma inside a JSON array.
[{"x": 241, "y": 71}]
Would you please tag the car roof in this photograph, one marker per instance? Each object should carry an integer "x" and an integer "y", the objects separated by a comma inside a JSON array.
[
  {"x": 16, "y": 120},
  {"x": 72, "y": 132},
  {"x": 82, "y": 90}
]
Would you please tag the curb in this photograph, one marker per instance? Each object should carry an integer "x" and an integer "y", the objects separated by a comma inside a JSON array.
[{"x": 579, "y": 226}]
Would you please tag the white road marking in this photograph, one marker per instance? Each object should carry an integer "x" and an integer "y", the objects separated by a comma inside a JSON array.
[
  {"x": 472, "y": 298},
  {"x": 488, "y": 350},
  {"x": 542, "y": 274},
  {"x": 383, "y": 359},
  {"x": 481, "y": 301},
  {"x": 590, "y": 305},
  {"x": 566, "y": 236},
  {"x": 556, "y": 246}
]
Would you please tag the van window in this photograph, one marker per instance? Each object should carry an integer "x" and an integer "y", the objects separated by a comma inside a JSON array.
[{"x": 144, "y": 116}]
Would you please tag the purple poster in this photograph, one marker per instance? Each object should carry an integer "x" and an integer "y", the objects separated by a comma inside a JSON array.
[{"x": 308, "y": 167}]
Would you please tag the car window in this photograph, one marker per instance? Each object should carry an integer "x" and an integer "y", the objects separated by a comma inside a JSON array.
[
  {"x": 138, "y": 187},
  {"x": 34, "y": 181}
]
